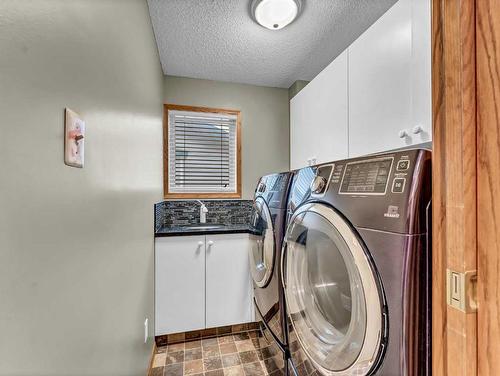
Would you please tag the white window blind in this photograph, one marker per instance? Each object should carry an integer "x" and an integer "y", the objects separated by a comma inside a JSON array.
[{"x": 202, "y": 152}]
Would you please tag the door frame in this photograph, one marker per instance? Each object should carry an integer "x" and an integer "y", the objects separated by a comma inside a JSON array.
[{"x": 488, "y": 184}]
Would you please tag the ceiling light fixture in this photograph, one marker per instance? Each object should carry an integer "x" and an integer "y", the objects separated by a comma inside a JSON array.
[{"x": 275, "y": 14}]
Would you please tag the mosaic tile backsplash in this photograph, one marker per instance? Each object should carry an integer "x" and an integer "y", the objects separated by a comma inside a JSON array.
[{"x": 187, "y": 212}]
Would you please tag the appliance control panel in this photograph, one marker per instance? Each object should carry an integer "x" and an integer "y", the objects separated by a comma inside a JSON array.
[
  {"x": 379, "y": 191},
  {"x": 372, "y": 176},
  {"x": 369, "y": 177},
  {"x": 274, "y": 188}
]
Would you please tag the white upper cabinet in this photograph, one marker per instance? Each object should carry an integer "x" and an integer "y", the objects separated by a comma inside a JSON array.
[
  {"x": 421, "y": 68},
  {"x": 374, "y": 97},
  {"x": 318, "y": 117},
  {"x": 229, "y": 287},
  {"x": 390, "y": 81}
]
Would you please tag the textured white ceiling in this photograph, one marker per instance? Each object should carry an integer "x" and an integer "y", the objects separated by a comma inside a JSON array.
[{"x": 218, "y": 40}]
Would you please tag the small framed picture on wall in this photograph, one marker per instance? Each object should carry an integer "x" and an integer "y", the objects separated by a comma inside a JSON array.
[{"x": 74, "y": 139}]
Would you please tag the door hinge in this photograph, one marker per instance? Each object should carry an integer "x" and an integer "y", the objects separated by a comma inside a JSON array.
[{"x": 461, "y": 290}]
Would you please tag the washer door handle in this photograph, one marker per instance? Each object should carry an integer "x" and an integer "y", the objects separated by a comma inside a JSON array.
[{"x": 282, "y": 264}]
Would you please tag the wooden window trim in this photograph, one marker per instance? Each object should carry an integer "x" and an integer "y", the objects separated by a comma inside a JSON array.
[{"x": 175, "y": 107}]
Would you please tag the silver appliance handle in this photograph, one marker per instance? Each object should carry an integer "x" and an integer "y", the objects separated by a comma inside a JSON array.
[{"x": 282, "y": 264}]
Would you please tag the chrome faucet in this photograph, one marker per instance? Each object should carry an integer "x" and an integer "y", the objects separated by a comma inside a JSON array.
[{"x": 203, "y": 212}]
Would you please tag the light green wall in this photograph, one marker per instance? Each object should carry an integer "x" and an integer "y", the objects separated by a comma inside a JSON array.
[
  {"x": 265, "y": 121},
  {"x": 76, "y": 245}
]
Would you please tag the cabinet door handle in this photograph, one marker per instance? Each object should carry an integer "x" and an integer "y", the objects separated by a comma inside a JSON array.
[
  {"x": 199, "y": 247},
  {"x": 417, "y": 129},
  {"x": 210, "y": 243}
]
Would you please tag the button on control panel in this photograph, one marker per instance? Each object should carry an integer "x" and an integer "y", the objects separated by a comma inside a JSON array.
[
  {"x": 403, "y": 165},
  {"x": 398, "y": 185},
  {"x": 337, "y": 173}
]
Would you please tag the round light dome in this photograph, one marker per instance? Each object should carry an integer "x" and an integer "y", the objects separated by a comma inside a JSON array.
[{"x": 275, "y": 14}]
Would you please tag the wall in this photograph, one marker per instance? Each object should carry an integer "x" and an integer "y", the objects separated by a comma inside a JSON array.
[
  {"x": 296, "y": 87},
  {"x": 265, "y": 121},
  {"x": 76, "y": 245}
]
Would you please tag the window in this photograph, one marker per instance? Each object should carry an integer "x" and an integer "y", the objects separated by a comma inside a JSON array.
[{"x": 201, "y": 152}]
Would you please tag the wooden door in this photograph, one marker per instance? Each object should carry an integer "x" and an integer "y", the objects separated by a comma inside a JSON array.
[
  {"x": 454, "y": 346},
  {"x": 466, "y": 181},
  {"x": 179, "y": 284},
  {"x": 229, "y": 286}
]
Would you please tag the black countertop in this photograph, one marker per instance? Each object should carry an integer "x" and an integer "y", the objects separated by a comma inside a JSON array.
[{"x": 192, "y": 230}]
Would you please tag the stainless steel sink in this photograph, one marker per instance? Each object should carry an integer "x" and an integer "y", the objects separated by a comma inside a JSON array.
[{"x": 202, "y": 227}]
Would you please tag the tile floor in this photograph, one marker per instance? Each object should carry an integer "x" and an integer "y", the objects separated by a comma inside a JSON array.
[{"x": 245, "y": 354}]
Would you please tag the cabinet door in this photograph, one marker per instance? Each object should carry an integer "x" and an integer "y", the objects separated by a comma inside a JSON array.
[
  {"x": 229, "y": 288},
  {"x": 421, "y": 72},
  {"x": 179, "y": 284},
  {"x": 380, "y": 93},
  {"x": 318, "y": 117}
]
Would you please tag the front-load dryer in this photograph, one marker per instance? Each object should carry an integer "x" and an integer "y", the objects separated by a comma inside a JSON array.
[
  {"x": 356, "y": 268},
  {"x": 268, "y": 226}
]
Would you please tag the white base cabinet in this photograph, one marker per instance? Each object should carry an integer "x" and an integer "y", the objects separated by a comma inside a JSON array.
[
  {"x": 228, "y": 282},
  {"x": 179, "y": 284},
  {"x": 202, "y": 282}
]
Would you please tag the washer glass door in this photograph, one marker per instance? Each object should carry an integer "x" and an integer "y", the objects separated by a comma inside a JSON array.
[
  {"x": 262, "y": 249},
  {"x": 332, "y": 293}
]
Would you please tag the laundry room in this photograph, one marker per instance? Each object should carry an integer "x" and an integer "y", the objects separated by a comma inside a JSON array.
[{"x": 249, "y": 187}]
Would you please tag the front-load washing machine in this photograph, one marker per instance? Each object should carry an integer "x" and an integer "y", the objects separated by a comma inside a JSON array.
[
  {"x": 356, "y": 268},
  {"x": 268, "y": 226}
]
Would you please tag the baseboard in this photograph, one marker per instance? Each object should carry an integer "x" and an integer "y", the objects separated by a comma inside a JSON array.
[
  {"x": 169, "y": 339},
  {"x": 152, "y": 359}
]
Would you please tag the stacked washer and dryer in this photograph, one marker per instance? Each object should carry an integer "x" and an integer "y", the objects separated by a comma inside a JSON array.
[{"x": 355, "y": 273}]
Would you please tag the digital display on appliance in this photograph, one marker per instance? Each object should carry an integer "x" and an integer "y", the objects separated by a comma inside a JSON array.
[{"x": 368, "y": 177}]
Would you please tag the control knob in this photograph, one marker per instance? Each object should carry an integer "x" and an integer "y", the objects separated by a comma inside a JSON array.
[
  {"x": 318, "y": 184},
  {"x": 262, "y": 187}
]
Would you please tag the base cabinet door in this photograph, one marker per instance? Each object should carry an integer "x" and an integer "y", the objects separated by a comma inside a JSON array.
[
  {"x": 228, "y": 284},
  {"x": 179, "y": 284}
]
